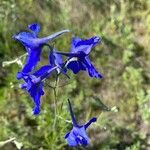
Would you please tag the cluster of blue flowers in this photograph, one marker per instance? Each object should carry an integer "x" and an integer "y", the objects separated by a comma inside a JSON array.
[{"x": 77, "y": 60}]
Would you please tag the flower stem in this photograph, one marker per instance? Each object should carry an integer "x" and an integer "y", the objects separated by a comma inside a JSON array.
[{"x": 55, "y": 89}]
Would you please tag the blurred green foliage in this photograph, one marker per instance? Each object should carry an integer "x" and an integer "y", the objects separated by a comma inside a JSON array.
[{"x": 123, "y": 58}]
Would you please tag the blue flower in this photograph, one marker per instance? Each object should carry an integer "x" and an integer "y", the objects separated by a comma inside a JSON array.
[
  {"x": 33, "y": 44},
  {"x": 78, "y": 57},
  {"x": 56, "y": 60},
  {"x": 77, "y": 136},
  {"x": 33, "y": 84}
]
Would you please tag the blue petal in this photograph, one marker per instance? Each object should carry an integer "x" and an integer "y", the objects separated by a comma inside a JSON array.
[
  {"x": 81, "y": 136},
  {"x": 66, "y": 136},
  {"x": 32, "y": 60},
  {"x": 79, "y": 45},
  {"x": 71, "y": 139},
  {"x": 91, "y": 41},
  {"x": 55, "y": 59},
  {"x": 42, "y": 70},
  {"x": 36, "y": 91},
  {"x": 94, "y": 119},
  {"x": 25, "y": 38},
  {"x": 82, "y": 141},
  {"x": 51, "y": 58},
  {"x": 76, "y": 66},
  {"x": 35, "y": 28},
  {"x": 74, "y": 42},
  {"x": 36, "y": 110},
  {"x": 77, "y": 136},
  {"x": 47, "y": 73},
  {"x": 23, "y": 85},
  {"x": 91, "y": 69},
  {"x": 58, "y": 59},
  {"x": 19, "y": 75}
]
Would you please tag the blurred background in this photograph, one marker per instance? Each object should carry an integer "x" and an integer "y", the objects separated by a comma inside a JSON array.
[{"x": 123, "y": 58}]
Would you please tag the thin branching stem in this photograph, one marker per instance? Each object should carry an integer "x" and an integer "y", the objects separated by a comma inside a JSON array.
[{"x": 55, "y": 89}]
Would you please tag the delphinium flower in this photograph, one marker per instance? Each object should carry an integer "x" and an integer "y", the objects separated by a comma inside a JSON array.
[
  {"x": 77, "y": 136},
  {"x": 78, "y": 57},
  {"x": 33, "y": 44},
  {"x": 33, "y": 84}
]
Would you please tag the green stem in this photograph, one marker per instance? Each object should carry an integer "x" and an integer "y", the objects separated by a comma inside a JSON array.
[{"x": 55, "y": 89}]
